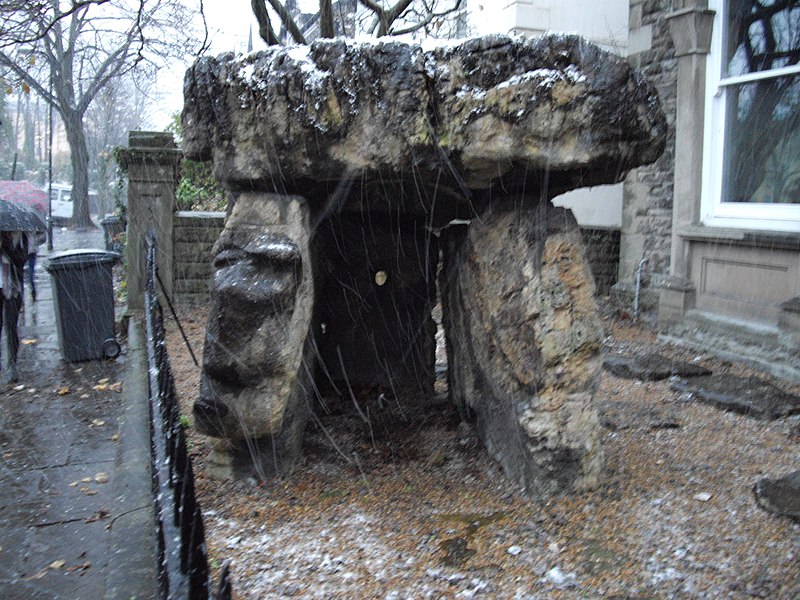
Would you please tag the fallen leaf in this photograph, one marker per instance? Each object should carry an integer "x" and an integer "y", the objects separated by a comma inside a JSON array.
[
  {"x": 28, "y": 341},
  {"x": 115, "y": 437},
  {"x": 101, "y": 387},
  {"x": 38, "y": 575},
  {"x": 703, "y": 496},
  {"x": 86, "y": 479},
  {"x": 63, "y": 390},
  {"x": 31, "y": 390},
  {"x": 103, "y": 380},
  {"x": 78, "y": 370},
  {"x": 103, "y": 513},
  {"x": 98, "y": 422},
  {"x": 117, "y": 387},
  {"x": 80, "y": 567},
  {"x": 90, "y": 492},
  {"x": 8, "y": 454},
  {"x": 101, "y": 478},
  {"x": 84, "y": 395},
  {"x": 74, "y": 484},
  {"x": 57, "y": 564},
  {"x": 19, "y": 388}
]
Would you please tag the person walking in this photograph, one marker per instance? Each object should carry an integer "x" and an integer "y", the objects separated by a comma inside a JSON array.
[
  {"x": 33, "y": 242},
  {"x": 13, "y": 254}
]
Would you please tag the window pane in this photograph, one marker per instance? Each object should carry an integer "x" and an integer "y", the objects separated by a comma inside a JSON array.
[
  {"x": 762, "y": 35},
  {"x": 762, "y": 150}
]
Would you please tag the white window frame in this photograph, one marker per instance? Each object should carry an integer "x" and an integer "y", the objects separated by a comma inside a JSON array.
[{"x": 714, "y": 212}]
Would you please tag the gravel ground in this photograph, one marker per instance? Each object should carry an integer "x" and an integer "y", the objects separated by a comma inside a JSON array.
[{"x": 414, "y": 508}]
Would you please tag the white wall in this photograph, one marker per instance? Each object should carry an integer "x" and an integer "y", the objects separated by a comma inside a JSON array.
[{"x": 604, "y": 22}]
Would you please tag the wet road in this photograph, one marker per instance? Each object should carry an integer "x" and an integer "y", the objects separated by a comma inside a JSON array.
[{"x": 58, "y": 439}]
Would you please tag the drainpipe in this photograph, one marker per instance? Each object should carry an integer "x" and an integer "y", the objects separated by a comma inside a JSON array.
[{"x": 639, "y": 270}]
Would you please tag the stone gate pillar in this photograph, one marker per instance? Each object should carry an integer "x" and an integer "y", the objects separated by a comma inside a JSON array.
[{"x": 152, "y": 160}]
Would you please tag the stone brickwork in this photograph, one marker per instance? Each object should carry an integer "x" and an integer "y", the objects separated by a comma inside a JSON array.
[
  {"x": 602, "y": 252},
  {"x": 647, "y": 201},
  {"x": 193, "y": 236}
]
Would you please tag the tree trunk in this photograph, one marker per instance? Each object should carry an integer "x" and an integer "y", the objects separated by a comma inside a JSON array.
[{"x": 76, "y": 138}]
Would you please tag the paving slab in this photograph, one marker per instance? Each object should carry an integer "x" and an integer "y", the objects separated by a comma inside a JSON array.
[
  {"x": 651, "y": 367},
  {"x": 59, "y": 447},
  {"x": 749, "y": 396}
]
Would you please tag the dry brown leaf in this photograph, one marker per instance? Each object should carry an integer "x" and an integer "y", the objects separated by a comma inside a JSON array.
[
  {"x": 57, "y": 564},
  {"x": 74, "y": 484},
  {"x": 115, "y": 437},
  {"x": 103, "y": 380},
  {"x": 28, "y": 341},
  {"x": 84, "y": 395},
  {"x": 8, "y": 455},
  {"x": 100, "y": 387},
  {"x": 86, "y": 479},
  {"x": 97, "y": 423},
  {"x": 101, "y": 477},
  {"x": 63, "y": 390},
  {"x": 80, "y": 567},
  {"x": 116, "y": 387}
]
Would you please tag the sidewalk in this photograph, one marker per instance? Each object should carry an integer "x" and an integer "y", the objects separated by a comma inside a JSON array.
[{"x": 74, "y": 472}]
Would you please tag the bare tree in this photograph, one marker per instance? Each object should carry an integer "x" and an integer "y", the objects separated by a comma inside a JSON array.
[
  {"x": 376, "y": 17},
  {"x": 68, "y": 52},
  {"x": 120, "y": 107}
]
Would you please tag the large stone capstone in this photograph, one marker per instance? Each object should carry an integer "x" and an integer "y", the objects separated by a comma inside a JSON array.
[
  {"x": 361, "y": 172},
  {"x": 538, "y": 116}
]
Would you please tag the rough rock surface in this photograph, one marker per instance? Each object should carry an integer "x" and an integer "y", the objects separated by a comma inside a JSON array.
[
  {"x": 780, "y": 496},
  {"x": 749, "y": 396},
  {"x": 651, "y": 367},
  {"x": 253, "y": 391},
  {"x": 543, "y": 115},
  {"x": 525, "y": 348}
]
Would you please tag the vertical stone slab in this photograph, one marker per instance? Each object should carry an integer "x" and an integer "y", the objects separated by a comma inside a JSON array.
[
  {"x": 152, "y": 161},
  {"x": 255, "y": 384},
  {"x": 524, "y": 340}
]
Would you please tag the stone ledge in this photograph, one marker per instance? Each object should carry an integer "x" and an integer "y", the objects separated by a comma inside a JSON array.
[{"x": 764, "y": 347}]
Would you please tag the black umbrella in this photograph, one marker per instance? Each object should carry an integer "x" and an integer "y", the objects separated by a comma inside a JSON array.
[{"x": 18, "y": 217}]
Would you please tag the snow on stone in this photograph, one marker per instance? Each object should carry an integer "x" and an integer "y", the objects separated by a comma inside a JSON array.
[{"x": 546, "y": 77}]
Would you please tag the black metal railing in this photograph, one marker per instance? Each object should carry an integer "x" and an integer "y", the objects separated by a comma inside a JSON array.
[{"x": 183, "y": 560}]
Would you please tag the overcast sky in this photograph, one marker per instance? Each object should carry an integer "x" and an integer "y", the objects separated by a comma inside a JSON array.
[{"x": 228, "y": 24}]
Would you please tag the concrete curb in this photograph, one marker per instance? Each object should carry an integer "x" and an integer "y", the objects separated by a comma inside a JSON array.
[{"x": 132, "y": 563}]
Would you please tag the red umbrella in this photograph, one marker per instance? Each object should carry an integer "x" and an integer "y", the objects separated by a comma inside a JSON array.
[{"x": 24, "y": 192}]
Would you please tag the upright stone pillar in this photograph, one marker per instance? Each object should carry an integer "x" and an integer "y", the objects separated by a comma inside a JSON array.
[
  {"x": 523, "y": 342},
  {"x": 152, "y": 160},
  {"x": 255, "y": 388},
  {"x": 690, "y": 28}
]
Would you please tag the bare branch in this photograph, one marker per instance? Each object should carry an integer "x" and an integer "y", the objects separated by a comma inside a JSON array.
[
  {"x": 265, "y": 29},
  {"x": 17, "y": 17},
  {"x": 288, "y": 21}
]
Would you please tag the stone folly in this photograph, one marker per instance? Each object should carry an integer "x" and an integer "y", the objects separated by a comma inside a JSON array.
[{"x": 361, "y": 172}]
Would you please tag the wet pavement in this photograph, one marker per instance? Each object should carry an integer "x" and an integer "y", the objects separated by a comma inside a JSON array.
[{"x": 59, "y": 441}]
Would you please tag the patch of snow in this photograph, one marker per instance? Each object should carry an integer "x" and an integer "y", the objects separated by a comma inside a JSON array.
[{"x": 545, "y": 77}]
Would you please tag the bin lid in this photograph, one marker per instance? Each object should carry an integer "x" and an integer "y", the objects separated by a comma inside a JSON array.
[{"x": 69, "y": 259}]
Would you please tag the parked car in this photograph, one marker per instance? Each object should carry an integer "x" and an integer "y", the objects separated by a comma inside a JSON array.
[{"x": 61, "y": 197}]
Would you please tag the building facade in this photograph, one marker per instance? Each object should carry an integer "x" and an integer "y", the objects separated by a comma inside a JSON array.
[{"x": 715, "y": 223}]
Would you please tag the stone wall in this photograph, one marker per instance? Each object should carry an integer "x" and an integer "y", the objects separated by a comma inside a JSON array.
[
  {"x": 602, "y": 252},
  {"x": 647, "y": 201},
  {"x": 193, "y": 236}
]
